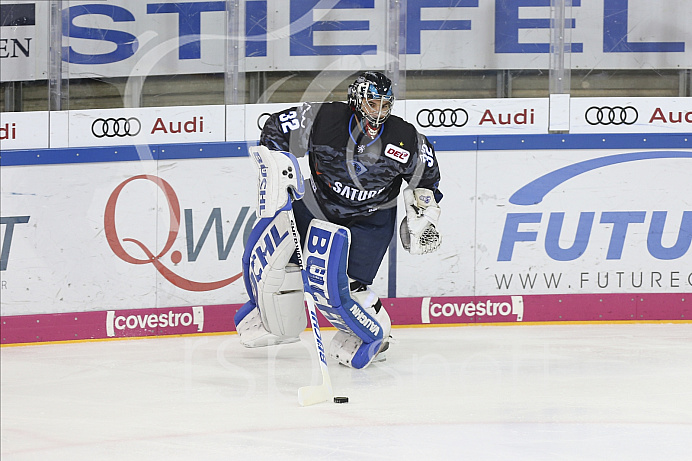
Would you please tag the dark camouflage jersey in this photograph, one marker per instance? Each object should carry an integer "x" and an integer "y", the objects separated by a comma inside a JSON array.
[{"x": 353, "y": 174}]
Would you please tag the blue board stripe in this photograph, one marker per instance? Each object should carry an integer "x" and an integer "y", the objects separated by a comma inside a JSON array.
[
  {"x": 123, "y": 153},
  {"x": 585, "y": 141},
  {"x": 127, "y": 153}
]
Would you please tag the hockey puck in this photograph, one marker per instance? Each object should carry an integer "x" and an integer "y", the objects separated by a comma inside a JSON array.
[{"x": 340, "y": 399}]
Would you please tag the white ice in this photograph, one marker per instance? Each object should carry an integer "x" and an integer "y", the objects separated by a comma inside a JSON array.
[{"x": 528, "y": 392}]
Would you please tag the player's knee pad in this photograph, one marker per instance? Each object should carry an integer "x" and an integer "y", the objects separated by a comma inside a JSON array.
[
  {"x": 354, "y": 313},
  {"x": 276, "y": 312}
]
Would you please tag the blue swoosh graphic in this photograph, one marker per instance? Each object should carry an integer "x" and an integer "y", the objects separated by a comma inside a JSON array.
[{"x": 536, "y": 190}]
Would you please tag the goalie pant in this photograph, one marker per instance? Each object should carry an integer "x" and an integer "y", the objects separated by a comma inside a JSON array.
[{"x": 370, "y": 237}]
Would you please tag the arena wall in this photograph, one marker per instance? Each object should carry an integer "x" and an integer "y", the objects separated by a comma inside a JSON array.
[{"x": 131, "y": 222}]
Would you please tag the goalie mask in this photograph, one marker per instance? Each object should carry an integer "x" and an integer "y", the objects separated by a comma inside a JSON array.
[{"x": 371, "y": 98}]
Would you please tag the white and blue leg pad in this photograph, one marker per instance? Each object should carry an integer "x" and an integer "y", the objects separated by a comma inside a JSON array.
[
  {"x": 326, "y": 253},
  {"x": 278, "y": 179},
  {"x": 275, "y": 313}
]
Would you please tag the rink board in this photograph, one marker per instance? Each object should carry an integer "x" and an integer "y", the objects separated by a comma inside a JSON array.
[
  {"x": 111, "y": 241},
  {"x": 446, "y": 119},
  {"x": 195, "y": 320}
]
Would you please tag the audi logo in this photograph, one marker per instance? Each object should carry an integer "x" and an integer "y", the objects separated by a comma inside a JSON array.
[
  {"x": 262, "y": 119},
  {"x": 112, "y": 127},
  {"x": 437, "y": 118},
  {"x": 615, "y": 115}
]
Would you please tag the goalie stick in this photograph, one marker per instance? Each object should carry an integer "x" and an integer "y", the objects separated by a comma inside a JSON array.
[{"x": 310, "y": 395}]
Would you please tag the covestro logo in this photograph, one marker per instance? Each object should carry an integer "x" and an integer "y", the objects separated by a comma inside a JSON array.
[
  {"x": 468, "y": 310},
  {"x": 174, "y": 321}
]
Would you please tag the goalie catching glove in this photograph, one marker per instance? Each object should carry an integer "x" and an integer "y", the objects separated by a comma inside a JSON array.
[{"x": 417, "y": 231}]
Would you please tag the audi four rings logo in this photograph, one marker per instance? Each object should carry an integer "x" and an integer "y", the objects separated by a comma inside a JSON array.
[
  {"x": 112, "y": 127},
  {"x": 262, "y": 119},
  {"x": 437, "y": 118},
  {"x": 615, "y": 115}
]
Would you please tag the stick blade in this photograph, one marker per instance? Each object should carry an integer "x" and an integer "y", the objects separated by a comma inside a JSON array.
[{"x": 311, "y": 395}]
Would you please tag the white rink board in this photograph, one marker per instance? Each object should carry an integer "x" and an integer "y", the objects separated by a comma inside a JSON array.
[
  {"x": 610, "y": 263},
  {"x": 24, "y": 130},
  {"x": 444, "y": 117},
  {"x": 106, "y": 127},
  {"x": 60, "y": 260},
  {"x": 478, "y": 116},
  {"x": 631, "y": 115},
  {"x": 450, "y": 270}
]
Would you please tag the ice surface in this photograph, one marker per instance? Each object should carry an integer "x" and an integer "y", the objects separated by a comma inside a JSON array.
[{"x": 528, "y": 392}]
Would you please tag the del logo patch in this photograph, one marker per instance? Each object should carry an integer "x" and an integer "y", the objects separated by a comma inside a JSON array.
[{"x": 397, "y": 153}]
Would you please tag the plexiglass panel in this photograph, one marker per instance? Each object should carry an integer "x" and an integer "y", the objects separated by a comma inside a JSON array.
[{"x": 71, "y": 55}]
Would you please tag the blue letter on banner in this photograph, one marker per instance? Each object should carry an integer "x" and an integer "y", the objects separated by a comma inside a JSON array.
[
  {"x": 303, "y": 28},
  {"x": 189, "y": 23},
  {"x": 508, "y": 24},
  {"x": 414, "y": 23},
  {"x": 126, "y": 44},
  {"x": 615, "y": 33}
]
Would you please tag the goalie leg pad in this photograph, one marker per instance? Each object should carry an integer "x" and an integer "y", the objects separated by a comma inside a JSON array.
[
  {"x": 353, "y": 313},
  {"x": 351, "y": 351},
  {"x": 279, "y": 177},
  {"x": 284, "y": 309},
  {"x": 274, "y": 285},
  {"x": 251, "y": 330}
]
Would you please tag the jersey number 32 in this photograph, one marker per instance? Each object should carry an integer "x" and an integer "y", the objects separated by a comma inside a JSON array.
[{"x": 288, "y": 121}]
